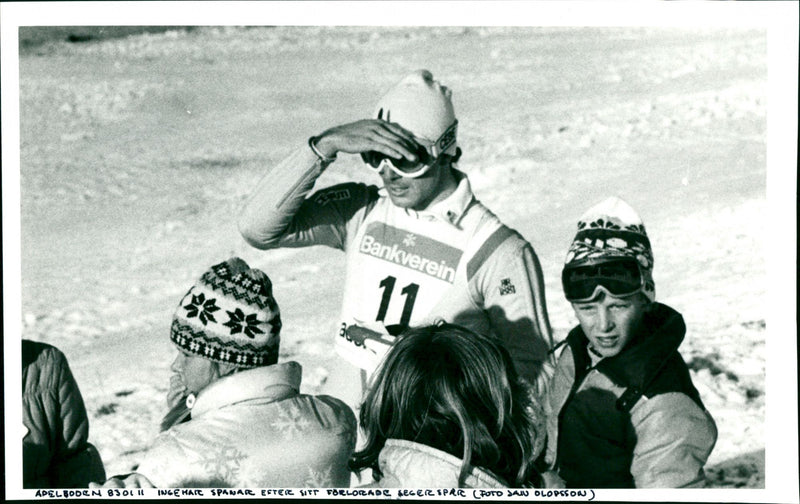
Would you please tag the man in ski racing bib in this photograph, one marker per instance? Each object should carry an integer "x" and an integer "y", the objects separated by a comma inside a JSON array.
[{"x": 420, "y": 249}]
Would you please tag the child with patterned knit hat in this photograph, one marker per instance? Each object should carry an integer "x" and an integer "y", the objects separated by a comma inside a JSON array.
[
  {"x": 622, "y": 409},
  {"x": 236, "y": 416}
]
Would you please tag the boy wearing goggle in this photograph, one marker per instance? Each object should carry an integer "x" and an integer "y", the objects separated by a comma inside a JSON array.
[
  {"x": 622, "y": 409},
  {"x": 419, "y": 249}
]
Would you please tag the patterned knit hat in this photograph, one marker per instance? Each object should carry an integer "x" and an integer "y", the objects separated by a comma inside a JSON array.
[
  {"x": 610, "y": 229},
  {"x": 230, "y": 316}
]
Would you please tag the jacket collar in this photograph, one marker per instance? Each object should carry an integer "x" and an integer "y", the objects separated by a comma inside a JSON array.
[
  {"x": 422, "y": 466},
  {"x": 275, "y": 382},
  {"x": 662, "y": 332},
  {"x": 452, "y": 208}
]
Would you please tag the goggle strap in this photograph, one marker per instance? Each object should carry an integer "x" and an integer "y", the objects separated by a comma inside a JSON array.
[{"x": 445, "y": 140}]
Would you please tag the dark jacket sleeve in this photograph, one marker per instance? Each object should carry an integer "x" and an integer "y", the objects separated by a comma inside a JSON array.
[
  {"x": 77, "y": 462},
  {"x": 56, "y": 450}
]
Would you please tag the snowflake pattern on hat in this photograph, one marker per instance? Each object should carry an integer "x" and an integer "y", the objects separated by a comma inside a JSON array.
[
  {"x": 251, "y": 335},
  {"x": 202, "y": 308}
]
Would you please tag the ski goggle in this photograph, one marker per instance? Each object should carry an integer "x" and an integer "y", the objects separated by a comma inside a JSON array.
[
  {"x": 427, "y": 155},
  {"x": 619, "y": 276}
]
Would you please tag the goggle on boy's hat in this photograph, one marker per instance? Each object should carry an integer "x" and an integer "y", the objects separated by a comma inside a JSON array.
[
  {"x": 229, "y": 316},
  {"x": 612, "y": 250},
  {"x": 424, "y": 107}
]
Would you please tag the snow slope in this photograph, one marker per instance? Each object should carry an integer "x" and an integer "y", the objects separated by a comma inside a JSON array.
[{"x": 137, "y": 152}]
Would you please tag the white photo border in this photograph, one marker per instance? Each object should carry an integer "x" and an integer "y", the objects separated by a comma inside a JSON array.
[{"x": 779, "y": 18}]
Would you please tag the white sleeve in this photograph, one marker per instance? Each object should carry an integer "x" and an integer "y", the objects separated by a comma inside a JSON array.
[
  {"x": 511, "y": 285},
  {"x": 277, "y": 197},
  {"x": 674, "y": 439},
  {"x": 279, "y": 212}
]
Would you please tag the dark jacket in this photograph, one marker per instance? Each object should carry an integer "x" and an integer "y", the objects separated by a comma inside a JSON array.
[
  {"x": 632, "y": 420},
  {"x": 55, "y": 449}
]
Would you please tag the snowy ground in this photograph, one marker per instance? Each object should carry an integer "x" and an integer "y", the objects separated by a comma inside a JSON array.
[{"x": 137, "y": 152}]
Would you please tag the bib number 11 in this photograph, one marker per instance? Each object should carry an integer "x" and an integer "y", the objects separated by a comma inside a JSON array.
[{"x": 409, "y": 291}]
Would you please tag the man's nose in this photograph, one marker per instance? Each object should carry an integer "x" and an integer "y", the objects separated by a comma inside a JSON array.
[
  {"x": 605, "y": 320},
  {"x": 387, "y": 173}
]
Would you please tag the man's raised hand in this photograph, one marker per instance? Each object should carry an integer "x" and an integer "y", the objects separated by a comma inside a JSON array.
[{"x": 368, "y": 135}]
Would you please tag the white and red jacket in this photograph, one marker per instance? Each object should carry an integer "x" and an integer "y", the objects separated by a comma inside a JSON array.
[{"x": 455, "y": 261}]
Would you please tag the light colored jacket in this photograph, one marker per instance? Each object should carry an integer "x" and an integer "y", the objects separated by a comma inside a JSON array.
[
  {"x": 659, "y": 439},
  {"x": 55, "y": 449},
  {"x": 406, "y": 464},
  {"x": 254, "y": 429},
  {"x": 454, "y": 261}
]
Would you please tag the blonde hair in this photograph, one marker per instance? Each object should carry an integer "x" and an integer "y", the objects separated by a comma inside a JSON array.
[{"x": 455, "y": 390}]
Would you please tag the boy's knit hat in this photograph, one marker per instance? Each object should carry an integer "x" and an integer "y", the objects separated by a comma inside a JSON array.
[
  {"x": 612, "y": 229},
  {"x": 421, "y": 105},
  {"x": 230, "y": 316}
]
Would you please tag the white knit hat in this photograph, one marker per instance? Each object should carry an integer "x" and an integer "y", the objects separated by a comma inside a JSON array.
[{"x": 421, "y": 105}]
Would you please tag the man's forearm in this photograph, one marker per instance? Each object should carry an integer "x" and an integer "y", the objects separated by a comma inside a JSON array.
[{"x": 277, "y": 198}]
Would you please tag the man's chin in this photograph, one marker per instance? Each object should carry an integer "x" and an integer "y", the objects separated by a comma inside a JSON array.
[
  {"x": 406, "y": 201},
  {"x": 399, "y": 201}
]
